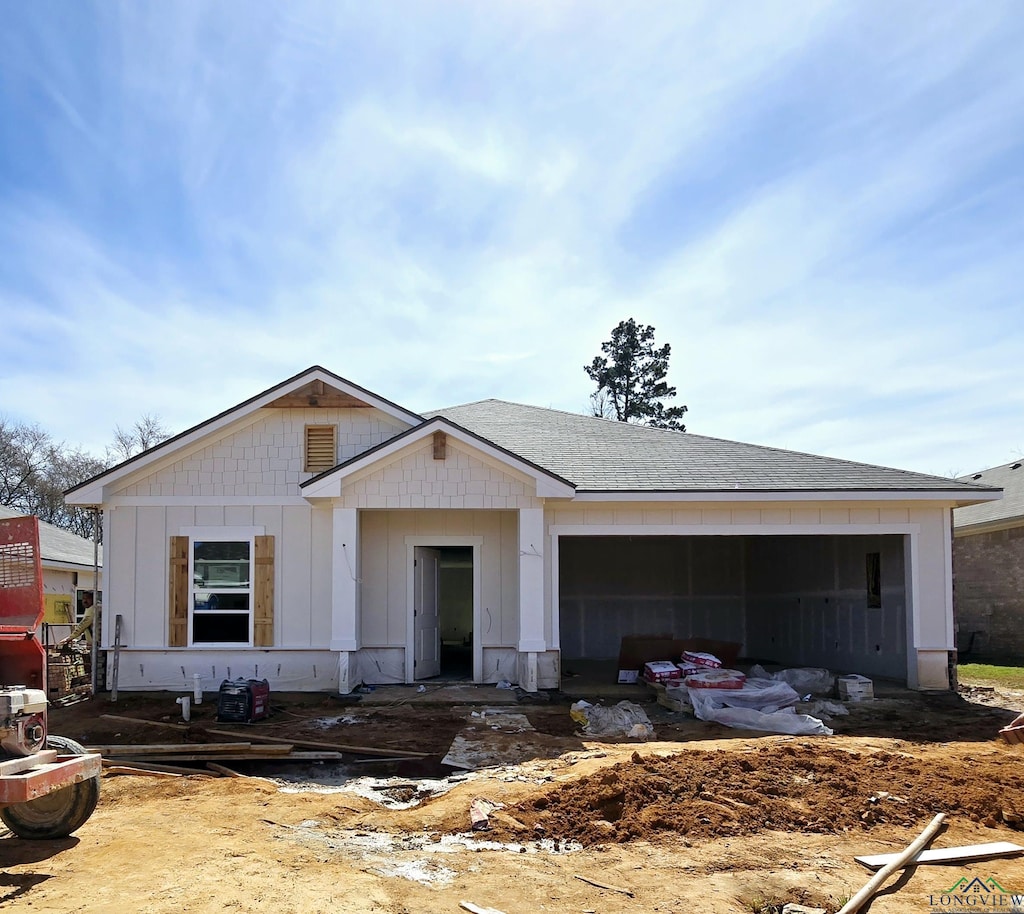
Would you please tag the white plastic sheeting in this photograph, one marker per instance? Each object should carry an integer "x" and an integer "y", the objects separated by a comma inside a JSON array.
[{"x": 762, "y": 704}]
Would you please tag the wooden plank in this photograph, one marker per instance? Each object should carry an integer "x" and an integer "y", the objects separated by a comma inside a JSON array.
[
  {"x": 177, "y": 634},
  {"x": 140, "y": 772},
  {"x": 476, "y": 909},
  {"x": 150, "y": 723},
  {"x": 947, "y": 854},
  {"x": 168, "y": 748},
  {"x": 263, "y": 622},
  {"x": 256, "y": 757},
  {"x": 338, "y": 747},
  {"x": 152, "y": 766},
  {"x": 224, "y": 770},
  {"x": 117, "y": 657},
  {"x": 26, "y": 763}
]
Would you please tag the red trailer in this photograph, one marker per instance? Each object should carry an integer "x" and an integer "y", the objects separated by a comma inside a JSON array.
[{"x": 49, "y": 786}]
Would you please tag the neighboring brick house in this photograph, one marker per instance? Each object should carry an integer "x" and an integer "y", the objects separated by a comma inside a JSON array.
[{"x": 988, "y": 568}]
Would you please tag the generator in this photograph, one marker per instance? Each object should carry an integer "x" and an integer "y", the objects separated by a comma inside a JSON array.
[{"x": 242, "y": 701}]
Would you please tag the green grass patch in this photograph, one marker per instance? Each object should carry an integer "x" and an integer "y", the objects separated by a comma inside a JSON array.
[{"x": 988, "y": 674}]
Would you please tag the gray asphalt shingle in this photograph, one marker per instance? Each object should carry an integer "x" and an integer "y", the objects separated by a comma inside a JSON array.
[
  {"x": 57, "y": 545},
  {"x": 605, "y": 455},
  {"x": 1010, "y": 478}
]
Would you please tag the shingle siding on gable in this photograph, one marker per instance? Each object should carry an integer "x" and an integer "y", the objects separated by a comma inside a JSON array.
[
  {"x": 267, "y": 458},
  {"x": 989, "y": 593},
  {"x": 419, "y": 481}
]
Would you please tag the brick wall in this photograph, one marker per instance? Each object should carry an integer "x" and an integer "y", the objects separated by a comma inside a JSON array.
[{"x": 988, "y": 571}]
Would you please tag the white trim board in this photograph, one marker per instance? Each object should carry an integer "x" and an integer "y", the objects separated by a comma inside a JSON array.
[{"x": 732, "y": 529}]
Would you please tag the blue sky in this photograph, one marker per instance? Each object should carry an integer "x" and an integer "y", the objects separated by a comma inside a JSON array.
[{"x": 820, "y": 206}]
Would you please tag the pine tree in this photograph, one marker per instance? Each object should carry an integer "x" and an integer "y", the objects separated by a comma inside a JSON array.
[{"x": 630, "y": 379}]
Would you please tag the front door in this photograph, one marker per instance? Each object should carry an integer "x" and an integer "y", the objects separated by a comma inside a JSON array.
[{"x": 426, "y": 612}]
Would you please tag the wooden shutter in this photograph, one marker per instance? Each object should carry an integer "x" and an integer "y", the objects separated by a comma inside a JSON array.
[
  {"x": 263, "y": 592},
  {"x": 177, "y": 634},
  {"x": 321, "y": 448}
]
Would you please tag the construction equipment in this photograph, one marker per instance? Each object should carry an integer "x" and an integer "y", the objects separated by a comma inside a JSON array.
[{"x": 49, "y": 786}]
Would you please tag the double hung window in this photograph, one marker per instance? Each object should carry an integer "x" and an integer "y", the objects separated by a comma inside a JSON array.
[{"x": 222, "y": 592}]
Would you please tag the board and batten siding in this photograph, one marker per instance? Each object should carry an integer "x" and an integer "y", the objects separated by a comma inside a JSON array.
[
  {"x": 267, "y": 457},
  {"x": 384, "y": 571},
  {"x": 138, "y": 541}
]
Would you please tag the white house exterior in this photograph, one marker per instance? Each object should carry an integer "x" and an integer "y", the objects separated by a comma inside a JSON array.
[{"x": 306, "y": 536}]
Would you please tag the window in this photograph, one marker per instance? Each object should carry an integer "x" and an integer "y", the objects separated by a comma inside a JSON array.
[
  {"x": 222, "y": 594},
  {"x": 321, "y": 448}
]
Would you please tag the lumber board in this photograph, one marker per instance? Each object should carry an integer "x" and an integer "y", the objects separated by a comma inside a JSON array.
[
  {"x": 150, "y": 766},
  {"x": 142, "y": 720},
  {"x": 337, "y": 747},
  {"x": 140, "y": 772},
  {"x": 168, "y": 748},
  {"x": 224, "y": 770},
  {"x": 255, "y": 757},
  {"x": 947, "y": 854}
]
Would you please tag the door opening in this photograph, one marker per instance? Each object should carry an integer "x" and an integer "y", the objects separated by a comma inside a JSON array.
[{"x": 444, "y": 612}]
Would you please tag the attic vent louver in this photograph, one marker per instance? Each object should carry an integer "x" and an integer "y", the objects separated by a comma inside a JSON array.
[{"x": 321, "y": 448}]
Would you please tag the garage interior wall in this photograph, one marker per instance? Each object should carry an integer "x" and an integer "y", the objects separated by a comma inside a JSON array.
[{"x": 794, "y": 600}]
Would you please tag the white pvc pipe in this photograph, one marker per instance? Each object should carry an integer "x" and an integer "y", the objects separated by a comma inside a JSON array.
[
  {"x": 197, "y": 688},
  {"x": 186, "y": 710}
]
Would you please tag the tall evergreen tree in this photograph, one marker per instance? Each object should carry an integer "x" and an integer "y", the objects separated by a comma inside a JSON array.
[{"x": 630, "y": 379}]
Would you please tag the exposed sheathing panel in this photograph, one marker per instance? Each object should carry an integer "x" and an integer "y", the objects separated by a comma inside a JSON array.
[
  {"x": 807, "y": 603},
  {"x": 610, "y": 586}
]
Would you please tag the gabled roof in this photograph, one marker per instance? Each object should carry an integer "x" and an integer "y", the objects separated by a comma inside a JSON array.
[
  {"x": 90, "y": 492},
  {"x": 549, "y": 484},
  {"x": 602, "y": 455},
  {"x": 59, "y": 547},
  {"x": 1008, "y": 511}
]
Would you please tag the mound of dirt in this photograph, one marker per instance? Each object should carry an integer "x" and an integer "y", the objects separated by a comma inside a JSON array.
[{"x": 792, "y": 787}]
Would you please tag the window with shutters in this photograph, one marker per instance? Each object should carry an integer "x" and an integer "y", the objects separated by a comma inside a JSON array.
[
  {"x": 321, "y": 448},
  {"x": 221, "y": 589}
]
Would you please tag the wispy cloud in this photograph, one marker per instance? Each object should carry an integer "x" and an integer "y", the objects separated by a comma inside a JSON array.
[{"x": 818, "y": 205}]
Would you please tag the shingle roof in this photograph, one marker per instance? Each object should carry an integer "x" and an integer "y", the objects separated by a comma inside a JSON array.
[
  {"x": 605, "y": 455},
  {"x": 57, "y": 545},
  {"x": 1010, "y": 478}
]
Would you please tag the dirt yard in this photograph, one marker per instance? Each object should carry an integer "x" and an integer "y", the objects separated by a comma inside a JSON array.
[{"x": 704, "y": 819}]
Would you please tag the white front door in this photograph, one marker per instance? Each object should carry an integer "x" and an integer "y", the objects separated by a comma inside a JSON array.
[{"x": 426, "y": 613}]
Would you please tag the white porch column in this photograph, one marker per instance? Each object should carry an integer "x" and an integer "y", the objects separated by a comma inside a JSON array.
[
  {"x": 531, "y": 594},
  {"x": 929, "y": 585},
  {"x": 345, "y": 593}
]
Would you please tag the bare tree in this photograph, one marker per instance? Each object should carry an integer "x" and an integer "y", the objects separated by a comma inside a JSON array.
[
  {"x": 144, "y": 434},
  {"x": 36, "y": 471}
]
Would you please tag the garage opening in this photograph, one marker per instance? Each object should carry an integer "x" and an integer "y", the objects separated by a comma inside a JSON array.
[{"x": 825, "y": 601}]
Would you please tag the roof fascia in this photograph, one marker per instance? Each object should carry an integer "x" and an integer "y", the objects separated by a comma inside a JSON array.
[
  {"x": 328, "y": 484},
  {"x": 93, "y": 491}
]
